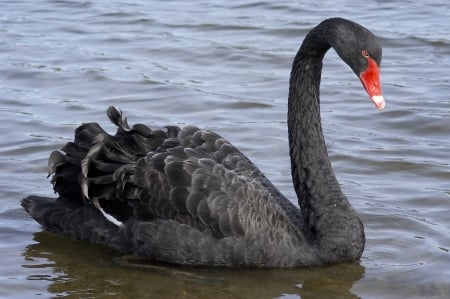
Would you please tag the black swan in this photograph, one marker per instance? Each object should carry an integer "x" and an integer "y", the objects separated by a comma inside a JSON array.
[{"x": 187, "y": 196}]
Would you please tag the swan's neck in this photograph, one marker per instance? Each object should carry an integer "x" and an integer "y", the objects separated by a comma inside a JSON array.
[{"x": 330, "y": 221}]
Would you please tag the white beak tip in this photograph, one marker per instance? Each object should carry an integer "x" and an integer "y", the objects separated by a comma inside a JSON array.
[{"x": 379, "y": 102}]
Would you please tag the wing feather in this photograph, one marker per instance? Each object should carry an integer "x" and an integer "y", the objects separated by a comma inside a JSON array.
[{"x": 192, "y": 176}]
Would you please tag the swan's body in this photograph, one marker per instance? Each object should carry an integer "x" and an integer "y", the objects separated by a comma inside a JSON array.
[{"x": 187, "y": 196}]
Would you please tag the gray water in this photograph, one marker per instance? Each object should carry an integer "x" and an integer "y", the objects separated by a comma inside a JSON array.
[{"x": 224, "y": 65}]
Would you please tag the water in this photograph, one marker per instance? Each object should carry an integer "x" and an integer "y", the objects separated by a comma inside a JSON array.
[{"x": 225, "y": 66}]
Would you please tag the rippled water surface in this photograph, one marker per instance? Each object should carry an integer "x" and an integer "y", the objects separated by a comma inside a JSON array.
[{"x": 225, "y": 65}]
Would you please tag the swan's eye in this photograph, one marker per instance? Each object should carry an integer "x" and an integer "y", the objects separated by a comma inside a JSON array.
[{"x": 365, "y": 53}]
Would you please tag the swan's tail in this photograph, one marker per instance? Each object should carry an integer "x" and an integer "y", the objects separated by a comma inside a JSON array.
[
  {"x": 90, "y": 174},
  {"x": 82, "y": 222}
]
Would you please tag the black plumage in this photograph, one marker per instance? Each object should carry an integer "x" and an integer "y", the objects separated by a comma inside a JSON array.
[{"x": 188, "y": 196}]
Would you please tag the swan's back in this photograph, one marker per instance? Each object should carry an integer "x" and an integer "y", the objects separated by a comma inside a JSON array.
[{"x": 185, "y": 195}]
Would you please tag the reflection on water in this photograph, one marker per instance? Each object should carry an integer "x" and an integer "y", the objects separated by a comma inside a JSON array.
[{"x": 73, "y": 268}]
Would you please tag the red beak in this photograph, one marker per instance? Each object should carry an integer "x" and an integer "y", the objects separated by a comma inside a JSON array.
[{"x": 370, "y": 79}]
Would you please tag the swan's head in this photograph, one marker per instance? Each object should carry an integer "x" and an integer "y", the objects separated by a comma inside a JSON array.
[{"x": 361, "y": 50}]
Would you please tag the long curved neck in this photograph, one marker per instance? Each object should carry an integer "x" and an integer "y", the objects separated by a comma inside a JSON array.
[{"x": 327, "y": 213}]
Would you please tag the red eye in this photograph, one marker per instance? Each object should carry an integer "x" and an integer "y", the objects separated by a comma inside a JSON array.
[{"x": 365, "y": 53}]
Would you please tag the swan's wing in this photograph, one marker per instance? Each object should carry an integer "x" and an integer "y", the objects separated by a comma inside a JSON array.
[{"x": 192, "y": 176}]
